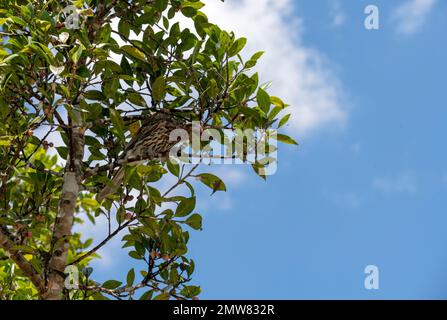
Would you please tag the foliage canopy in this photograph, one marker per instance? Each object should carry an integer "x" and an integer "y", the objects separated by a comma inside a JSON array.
[{"x": 88, "y": 71}]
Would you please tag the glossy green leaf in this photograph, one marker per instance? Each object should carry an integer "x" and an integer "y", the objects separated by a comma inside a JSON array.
[
  {"x": 212, "y": 181},
  {"x": 195, "y": 221},
  {"x": 263, "y": 100},
  {"x": 185, "y": 207},
  {"x": 111, "y": 284},
  {"x": 130, "y": 277},
  {"x": 159, "y": 88},
  {"x": 286, "y": 139}
]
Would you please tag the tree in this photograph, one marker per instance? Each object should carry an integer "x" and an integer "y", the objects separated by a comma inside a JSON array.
[{"x": 92, "y": 72}]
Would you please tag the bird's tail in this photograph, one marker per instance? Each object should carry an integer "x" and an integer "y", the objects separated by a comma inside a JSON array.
[{"x": 113, "y": 186}]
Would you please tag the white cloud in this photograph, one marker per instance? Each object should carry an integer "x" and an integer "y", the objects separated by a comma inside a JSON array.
[
  {"x": 299, "y": 73},
  {"x": 412, "y": 15},
  {"x": 403, "y": 183},
  {"x": 98, "y": 232},
  {"x": 337, "y": 13},
  {"x": 232, "y": 175},
  {"x": 218, "y": 203}
]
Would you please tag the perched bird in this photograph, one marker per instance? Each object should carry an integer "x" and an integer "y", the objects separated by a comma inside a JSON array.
[{"x": 151, "y": 142}]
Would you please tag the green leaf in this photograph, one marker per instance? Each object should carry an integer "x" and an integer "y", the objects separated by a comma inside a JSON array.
[
  {"x": 118, "y": 125},
  {"x": 253, "y": 60},
  {"x": 285, "y": 139},
  {"x": 134, "y": 52},
  {"x": 147, "y": 295},
  {"x": 25, "y": 11},
  {"x": 99, "y": 296},
  {"x": 195, "y": 221},
  {"x": 111, "y": 284},
  {"x": 237, "y": 47},
  {"x": 193, "y": 4},
  {"x": 278, "y": 102},
  {"x": 95, "y": 95},
  {"x": 159, "y": 88},
  {"x": 212, "y": 181},
  {"x": 91, "y": 141},
  {"x": 23, "y": 249},
  {"x": 137, "y": 99},
  {"x": 213, "y": 90},
  {"x": 189, "y": 12},
  {"x": 6, "y": 221},
  {"x": 191, "y": 291},
  {"x": 87, "y": 271},
  {"x": 92, "y": 203},
  {"x": 130, "y": 277},
  {"x": 185, "y": 207},
  {"x": 173, "y": 276},
  {"x": 17, "y": 20},
  {"x": 260, "y": 170},
  {"x": 9, "y": 58},
  {"x": 257, "y": 55},
  {"x": 135, "y": 255},
  {"x": 201, "y": 24},
  {"x": 3, "y": 52},
  {"x": 124, "y": 28},
  {"x": 173, "y": 168},
  {"x": 284, "y": 120},
  {"x": 63, "y": 152},
  {"x": 263, "y": 100},
  {"x": 163, "y": 296},
  {"x": 5, "y": 140},
  {"x": 161, "y": 5},
  {"x": 76, "y": 53}
]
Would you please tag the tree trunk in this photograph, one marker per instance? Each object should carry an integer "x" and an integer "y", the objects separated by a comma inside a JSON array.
[
  {"x": 67, "y": 207},
  {"x": 72, "y": 181}
]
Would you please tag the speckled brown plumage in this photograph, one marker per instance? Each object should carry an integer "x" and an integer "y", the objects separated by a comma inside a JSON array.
[
  {"x": 150, "y": 143},
  {"x": 152, "y": 139}
]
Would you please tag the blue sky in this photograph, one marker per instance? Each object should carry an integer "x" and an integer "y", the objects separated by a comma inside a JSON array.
[{"x": 368, "y": 184}]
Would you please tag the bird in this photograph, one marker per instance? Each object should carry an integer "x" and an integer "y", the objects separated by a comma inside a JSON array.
[{"x": 151, "y": 142}]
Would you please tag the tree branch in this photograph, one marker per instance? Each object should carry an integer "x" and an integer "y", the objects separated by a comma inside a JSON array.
[
  {"x": 103, "y": 243},
  {"x": 8, "y": 246}
]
